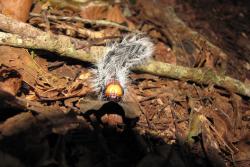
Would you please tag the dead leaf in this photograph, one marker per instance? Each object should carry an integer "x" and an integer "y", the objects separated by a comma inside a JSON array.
[
  {"x": 37, "y": 7},
  {"x": 155, "y": 34},
  {"x": 46, "y": 85},
  {"x": 163, "y": 53},
  {"x": 112, "y": 119},
  {"x": 31, "y": 96},
  {"x": 209, "y": 60},
  {"x": 85, "y": 76},
  {"x": 10, "y": 80},
  {"x": 18, "y": 9},
  {"x": 70, "y": 102},
  {"x": 20, "y": 60},
  {"x": 48, "y": 94},
  {"x": 97, "y": 12},
  {"x": 115, "y": 14}
]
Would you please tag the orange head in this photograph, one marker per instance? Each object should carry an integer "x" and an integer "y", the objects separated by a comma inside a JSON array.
[{"x": 113, "y": 91}]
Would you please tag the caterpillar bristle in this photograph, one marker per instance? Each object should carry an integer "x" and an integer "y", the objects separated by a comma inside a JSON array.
[{"x": 119, "y": 58}]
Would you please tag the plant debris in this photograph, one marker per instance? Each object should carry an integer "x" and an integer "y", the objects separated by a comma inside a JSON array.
[{"x": 189, "y": 106}]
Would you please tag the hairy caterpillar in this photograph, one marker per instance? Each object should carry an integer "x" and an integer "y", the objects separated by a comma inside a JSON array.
[{"x": 111, "y": 75}]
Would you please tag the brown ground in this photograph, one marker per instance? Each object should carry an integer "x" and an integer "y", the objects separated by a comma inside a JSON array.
[{"x": 181, "y": 123}]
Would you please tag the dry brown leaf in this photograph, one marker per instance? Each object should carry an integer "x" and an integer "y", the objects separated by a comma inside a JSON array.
[
  {"x": 115, "y": 14},
  {"x": 74, "y": 89},
  {"x": 37, "y": 7},
  {"x": 53, "y": 93},
  {"x": 112, "y": 119},
  {"x": 18, "y": 9},
  {"x": 10, "y": 80},
  {"x": 156, "y": 34},
  {"x": 97, "y": 12},
  {"x": 70, "y": 102},
  {"x": 32, "y": 73},
  {"x": 209, "y": 60},
  {"x": 85, "y": 76},
  {"x": 163, "y": 53},
  {"x": 20, "y": 60},
  {"x": 31, "y": 96},
  {"x": 46, "y": 85}
]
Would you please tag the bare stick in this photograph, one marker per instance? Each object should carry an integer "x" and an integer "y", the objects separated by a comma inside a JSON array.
[
  {"x": 59, "y": 44},
  {"x": 93, "y": 22},
  {"x": 198, "y": 75}
]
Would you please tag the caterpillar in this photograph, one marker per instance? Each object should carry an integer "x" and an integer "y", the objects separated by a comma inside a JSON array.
[{"x": 111, "y": 73}]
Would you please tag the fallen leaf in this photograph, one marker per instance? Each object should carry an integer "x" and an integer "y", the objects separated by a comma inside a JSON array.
[
  {"x": 20, "y": 60},
  {"x": 17, "y": 9},
  {"x": 10, "y": 80},
  {"x": 112, "y": 119},
  {"x": 164, "y": 54},
  {"x": 209, "y": 60},
  {"x": 46, "y": 85},
  {"x": 115, "y": 14},
  {"x": 97, "y": 12}
]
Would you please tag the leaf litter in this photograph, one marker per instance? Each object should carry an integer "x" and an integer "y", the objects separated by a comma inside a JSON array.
[{"x": 180, "y": 123}]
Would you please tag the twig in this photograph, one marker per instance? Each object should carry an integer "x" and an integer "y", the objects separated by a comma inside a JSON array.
[
  {"x": 197, "y": 75},
  {"x": 93, "y": 22},
  {"x": 82, "y": 31}
]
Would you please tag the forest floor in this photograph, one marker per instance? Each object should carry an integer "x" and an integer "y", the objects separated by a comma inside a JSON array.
[{"x": 51, "y": 117}]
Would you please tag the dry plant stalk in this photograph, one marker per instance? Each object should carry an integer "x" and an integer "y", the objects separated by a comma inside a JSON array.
[{"x": 94, "y": 22}]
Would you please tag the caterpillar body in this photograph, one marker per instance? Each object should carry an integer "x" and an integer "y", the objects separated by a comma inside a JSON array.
[{"x": 111, "y": 75}]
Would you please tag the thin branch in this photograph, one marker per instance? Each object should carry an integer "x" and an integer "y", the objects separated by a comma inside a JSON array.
[
  {"x": 59, "y": 44},
  {"x": 197, "y": 75},
  {"x": 93, "y": 22}
]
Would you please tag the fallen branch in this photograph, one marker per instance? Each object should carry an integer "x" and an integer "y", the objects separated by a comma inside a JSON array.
[
  {"x": 63, "y": 46},
  {"x": 198, "y": 75}
]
